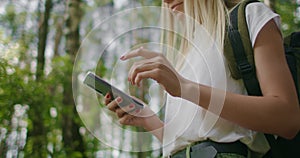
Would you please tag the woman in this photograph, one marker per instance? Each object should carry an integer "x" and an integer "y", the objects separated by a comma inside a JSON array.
[{"x": 232, "y": 135}]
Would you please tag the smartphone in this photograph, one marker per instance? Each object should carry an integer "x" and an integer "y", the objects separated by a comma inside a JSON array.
[{"x": 102, "y": 87}]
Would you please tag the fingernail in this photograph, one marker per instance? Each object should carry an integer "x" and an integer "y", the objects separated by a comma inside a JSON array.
[
  {"x": 131, "y": 106},
  {"x": 137, "y": 110},
  {"x": 119, "y": 99},
  {"x": 107, "y": 96},
  {"x": 122, "y": 57}
]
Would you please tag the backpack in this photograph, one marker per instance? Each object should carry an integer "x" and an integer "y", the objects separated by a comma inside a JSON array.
[{"x": 238, "y": 52}]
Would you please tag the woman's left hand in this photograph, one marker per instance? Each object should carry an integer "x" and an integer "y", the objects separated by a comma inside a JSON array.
[{"x": 154, "y": 66}]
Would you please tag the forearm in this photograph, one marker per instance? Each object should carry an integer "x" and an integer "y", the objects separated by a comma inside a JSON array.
[
  {"x": 269, "y": 114},
  {"x": 155, "y": 126}
]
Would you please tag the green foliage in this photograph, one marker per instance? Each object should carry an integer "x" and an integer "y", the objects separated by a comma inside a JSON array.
[
  {"x": 103, "y": 2},
  {"x": 150, "y": 2},
  {"x": 287, "y": 11},
  {"x": 18, "y": 86},
  {"x": 11, "y": 15}
]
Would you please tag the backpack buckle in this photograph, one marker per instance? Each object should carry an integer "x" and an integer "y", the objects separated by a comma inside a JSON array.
[{"x": 245, "y": 68}]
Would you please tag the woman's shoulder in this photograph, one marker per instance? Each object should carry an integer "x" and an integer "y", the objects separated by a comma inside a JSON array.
[
  {"x": 258, "y": 15},
  {"x": 258, "y": 7},
  {"x": 259, "y": 12}
]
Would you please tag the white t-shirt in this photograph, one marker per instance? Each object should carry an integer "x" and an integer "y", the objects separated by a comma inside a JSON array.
[{"x": 186, "y": 122}]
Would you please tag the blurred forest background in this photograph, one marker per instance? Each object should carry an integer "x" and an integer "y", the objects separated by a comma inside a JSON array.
[{"x": 39, "y": 40}]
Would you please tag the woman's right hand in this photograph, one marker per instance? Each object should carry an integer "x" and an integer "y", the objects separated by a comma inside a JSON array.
[{"x": 129, "y": 115}]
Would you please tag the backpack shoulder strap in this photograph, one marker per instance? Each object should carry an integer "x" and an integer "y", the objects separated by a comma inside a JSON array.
[
  {"x": 238, "y": 49},
  {"x": 292, "y": 50}
]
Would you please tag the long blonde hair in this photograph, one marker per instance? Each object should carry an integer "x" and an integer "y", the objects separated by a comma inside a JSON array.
[{"x": 211, "y": 14}]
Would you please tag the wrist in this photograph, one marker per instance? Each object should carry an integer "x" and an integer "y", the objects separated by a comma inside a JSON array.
[
  {"x": 190, "y": 91},
  {"x": 155, "y": 126},
  {"x": 152, "y": 123}
]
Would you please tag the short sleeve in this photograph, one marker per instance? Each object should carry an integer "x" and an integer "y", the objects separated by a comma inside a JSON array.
[{"x": 258, "y": 15}]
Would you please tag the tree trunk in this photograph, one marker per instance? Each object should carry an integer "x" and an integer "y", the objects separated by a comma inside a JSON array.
[
  {"x": 37, "y": 135},
  {"x": 73, "y": 141},
  {"x": 58, "y": 35},
  {"x": 43, "y": 33}
]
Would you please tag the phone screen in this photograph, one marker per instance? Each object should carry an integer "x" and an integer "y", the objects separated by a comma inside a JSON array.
[{"x": 103, "y": 87}]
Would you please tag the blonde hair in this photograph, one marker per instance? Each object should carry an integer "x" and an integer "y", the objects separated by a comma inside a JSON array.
[{"x": 211, "y": 14}]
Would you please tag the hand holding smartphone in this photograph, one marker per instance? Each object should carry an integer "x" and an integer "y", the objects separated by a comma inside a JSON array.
[{"x": 102, "y": 87}]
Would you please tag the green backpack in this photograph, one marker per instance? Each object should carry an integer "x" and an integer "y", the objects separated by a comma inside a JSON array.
[{"x": 238, "y": 52}]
